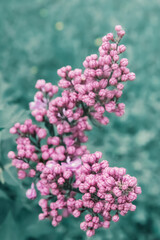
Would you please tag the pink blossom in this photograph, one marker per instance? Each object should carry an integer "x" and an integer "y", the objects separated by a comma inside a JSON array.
[
  {"x": 72, "y": 165},
  {"x": 38, "y": 104},
  {"x": 70, "y": 179},
  {"x": 31, "y": 193}
]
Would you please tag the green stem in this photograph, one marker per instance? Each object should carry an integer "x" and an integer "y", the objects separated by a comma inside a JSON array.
[{"x": 50, "y": 127}]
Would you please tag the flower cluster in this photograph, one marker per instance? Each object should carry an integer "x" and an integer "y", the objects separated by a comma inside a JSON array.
[
  {"x": 42, "y": 98},
  {"x": 100, "y": 85},
  {"x": 107, "y": 192},
  {"x": 28, "y": 142},
  {"x": 70, "y": 180}
]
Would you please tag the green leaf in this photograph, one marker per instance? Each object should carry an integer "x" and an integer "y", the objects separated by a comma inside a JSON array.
[
  {"x": 11, "y": 114},
  {"x": 9, "y": 229},
  {"x": 4, "y": 208},
  {"x": 50, "y": 128}
]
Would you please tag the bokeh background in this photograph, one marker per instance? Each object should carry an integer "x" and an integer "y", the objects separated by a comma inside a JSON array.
[{"x": 36, "y": 38}]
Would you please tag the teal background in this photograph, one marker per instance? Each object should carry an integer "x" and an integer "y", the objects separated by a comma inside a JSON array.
[{"x": 31, "y": 47}]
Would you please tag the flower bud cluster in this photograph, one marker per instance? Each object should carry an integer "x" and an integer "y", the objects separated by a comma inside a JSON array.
[
  {"x": 100, "y": 86},
  {"x": 42, "y": 98},
  {"x": 68, "y": 118},
  {"x": 69, "y": 179},
  {"x": 107, "y": 192},
  {"x": 28, "y": 140}
]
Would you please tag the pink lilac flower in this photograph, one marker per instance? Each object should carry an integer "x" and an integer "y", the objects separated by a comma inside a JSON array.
[
  {"x": 71, "y": 180},
  {"x": 72, "y": 165},
  {"x": 31, "y": 193}
]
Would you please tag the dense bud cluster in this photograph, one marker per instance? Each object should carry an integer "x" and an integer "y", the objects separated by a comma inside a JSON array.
[
  {"x": 105, "y": 190},
  {"x": 42, "y": 98},
  {"x": 100, "y": 85},
  {"x": 70, "y": 180}
]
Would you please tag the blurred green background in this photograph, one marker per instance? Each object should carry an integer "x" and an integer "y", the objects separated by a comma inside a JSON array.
[{"x": 36, "y": 38}]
